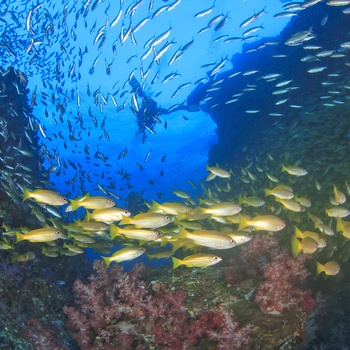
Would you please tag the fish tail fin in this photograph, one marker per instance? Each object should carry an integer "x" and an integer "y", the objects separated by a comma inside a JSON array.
[
  {"x": 114, "y": 231},
  {"x": 177, "y": 245},
  {"x": 296, "y": 246},
  {"x": 297, "y": 232},
  {"x": 74, "y": 204},
  {"x": 182, "y": 233},
  {"x": 176, "y": 262},
  {"x": 243, "y": 222},
  {"x": 284, "y": 167},
  {"x": 19, "y": 237},
  {"x": 201, "y": 201},
  {"x": 319, "y": 268},
  {"x": 154, "y": 206},
  {"x": 88, "y": 216},
  {"x": 267, "y": 192},
  {"x": 150, "y": 257},
  {"x": 339, "y": 227},
  {"x": 107, "y": 260},
  {"x": 126, "y": 221},
  {"x": 26, "y": 194},
  {"x": 180, "y": 217}
]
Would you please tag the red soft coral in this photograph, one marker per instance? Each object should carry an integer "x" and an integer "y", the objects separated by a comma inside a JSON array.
[
  {"x": 281, "y": 290},
  {"x": 116, "y": 311}
]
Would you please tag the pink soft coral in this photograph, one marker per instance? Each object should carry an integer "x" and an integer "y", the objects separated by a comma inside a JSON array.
[{"x": 116, "y": 311}]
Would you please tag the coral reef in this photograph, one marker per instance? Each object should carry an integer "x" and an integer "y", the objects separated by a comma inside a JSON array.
[
  {"x": 116, "y": 310},
  {"x": 281, "y": 289},
  {"x": 284, "y": 276},
  {"x": 31, "y": 299}
]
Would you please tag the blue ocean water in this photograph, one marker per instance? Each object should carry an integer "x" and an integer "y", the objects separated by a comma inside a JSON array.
[
  {"x": 133, "y": 99},
  {"x": 65, "y": 60}
]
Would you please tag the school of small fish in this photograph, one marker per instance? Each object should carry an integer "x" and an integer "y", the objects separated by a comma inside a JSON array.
[
  {"x": 195, "y": 229},
  {"x": 31, "y": 36}
]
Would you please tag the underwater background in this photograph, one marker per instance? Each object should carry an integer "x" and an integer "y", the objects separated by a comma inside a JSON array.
[{"x": 140, "y": 136}]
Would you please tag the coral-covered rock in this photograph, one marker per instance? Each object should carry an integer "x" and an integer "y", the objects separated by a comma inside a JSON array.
[
  {"x": 116, "y": 310},
  {"x": 282, "y": 288}
]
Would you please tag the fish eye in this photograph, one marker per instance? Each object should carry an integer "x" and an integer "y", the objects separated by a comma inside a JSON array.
[
  {"x": 233, "y": 241},
  {"x": 167, "y": 218},
  {"x": 216, "y": 258},
  {"x": 126, "y": 212}
]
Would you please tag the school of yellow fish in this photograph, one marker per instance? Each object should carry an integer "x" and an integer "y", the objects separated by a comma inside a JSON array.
[
  {"x": 228, "y": 213},
  {"x": 195, "y": 229}
]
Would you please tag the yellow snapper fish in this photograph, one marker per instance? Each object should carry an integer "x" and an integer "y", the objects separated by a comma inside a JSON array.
[
  {"x": 45, "y": 234},
  {"x": 324, "y": 228},
  {"x": 192, "y": 225},
  {"x": 45, "y": 196},
  {"x": 290, "y": 204},
  {"x": 93, "y": 202},
  {"x": 128, "y": 253},
  {"x": 240, "y": 237},
  {"x": 172, "y": 208},
  {"x": 208, "y": 238},
  {"x": 217, "y": 172},
  {"x": 280, "y": 192},
  {"x": 147, "y": 220},
  {"x": 338, "y": 211},
  {"x": 73, "y": 248},
  {"x": 307, "y": 245},
  {"x": 92, "y": 226},
  {"x": 339, "y": 196},
  {"x": 314, "y": 235},
  {"x": 197, "y": 260},
  {"x": 81, "y": 237},
  {"x": 50, "y": 253},
  {"x": 23, "y": 257},
  {"x": 108, "y": 215},
  {"x": 235, "y": 219},
  {"x": 343, "y": 227},
  {"x": 134, "y": 233},
  {"x": 252, "y": 201},
  {"x": 305, "y": 202},
  {"x": 331, "y": 268},
  {"x": 5, "y": 244},
  {"x": 193, "y": 215},
  {"x": 294, "y": 170},
  {"x": 221, "y": 209},
  {"x": 263, "y": 223},
  {"x": 164, "y": 253}
]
